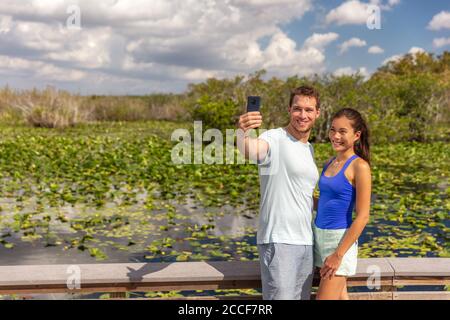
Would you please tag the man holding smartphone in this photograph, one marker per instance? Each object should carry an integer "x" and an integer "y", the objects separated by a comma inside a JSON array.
[{"x": 288, "y": 176}]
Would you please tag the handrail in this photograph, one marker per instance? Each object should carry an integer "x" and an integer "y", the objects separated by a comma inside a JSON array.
[{"x": 386, "y": 274}]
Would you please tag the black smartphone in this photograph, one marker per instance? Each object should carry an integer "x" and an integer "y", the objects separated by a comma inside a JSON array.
[{"x": 253, "y": 103}]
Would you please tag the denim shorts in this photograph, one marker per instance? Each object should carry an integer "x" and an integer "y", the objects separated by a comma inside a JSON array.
[
  {"x": 325, "y": 243},
  {"x": 286, "y": 271}
]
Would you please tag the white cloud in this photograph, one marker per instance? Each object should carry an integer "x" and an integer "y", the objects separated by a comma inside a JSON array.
[
  {"x": 319, "y": 41},
  {"x": 5, "y": 23},
  {"x": 375, "y": 50},
  {"x": 91, "y": 49},
  {"x": 387, "y": 5},
  {"x": 282, "y": 56},
  {"x": 353, "y": 42},
  {"x": 350, "y": 12},
  {"x": 356, "y": 12},
  {"x": 344, "y": 71},
  {"x": 413, "y": 51},
  {"x": 347, "y": 71},
  {"x": 85, "y": 48},
  {"x": 166, "y": 43},
  {"x": 393, "y": 2},
  {"x": 38, "y": 69},
  {"x": 394, "y": 58},
  {"x": 440, "y": 21},
  {"x": 441, "y": 42}
]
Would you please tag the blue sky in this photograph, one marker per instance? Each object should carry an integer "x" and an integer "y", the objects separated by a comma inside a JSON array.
[
  {"x": 403, "y": 27},
  {"x": 144, "y": 46}
]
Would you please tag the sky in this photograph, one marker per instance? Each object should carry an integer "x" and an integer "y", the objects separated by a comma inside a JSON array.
[{"x": 135, "y": 47}]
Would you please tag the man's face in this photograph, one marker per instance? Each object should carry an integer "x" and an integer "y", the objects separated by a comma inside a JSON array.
[{"x": 303, "y": 113}]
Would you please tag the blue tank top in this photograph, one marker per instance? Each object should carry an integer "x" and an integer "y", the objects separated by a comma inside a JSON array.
[{"x": 336, "y": 200}]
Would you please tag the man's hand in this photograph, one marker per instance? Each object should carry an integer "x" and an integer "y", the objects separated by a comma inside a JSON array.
[{"x": 250, "y": 120}]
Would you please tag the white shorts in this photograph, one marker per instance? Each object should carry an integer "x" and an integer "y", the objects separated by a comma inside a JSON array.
[{"x": 325, "y": 243}]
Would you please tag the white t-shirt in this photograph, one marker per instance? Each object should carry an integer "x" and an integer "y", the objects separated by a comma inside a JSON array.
[{"x": 288, "y": 176}]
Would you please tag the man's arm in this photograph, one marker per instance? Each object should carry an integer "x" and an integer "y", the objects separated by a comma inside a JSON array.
[{"x": 251, "y": 148}]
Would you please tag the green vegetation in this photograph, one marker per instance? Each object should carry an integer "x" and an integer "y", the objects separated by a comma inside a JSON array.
[
  {"x": 112, "y": 186},
  {"x": 405, "y": 100},
  {"x": 94, "y": 174}
]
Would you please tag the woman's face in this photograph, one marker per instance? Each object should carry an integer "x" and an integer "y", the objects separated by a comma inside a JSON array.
[{"x": 342, "y": 135}]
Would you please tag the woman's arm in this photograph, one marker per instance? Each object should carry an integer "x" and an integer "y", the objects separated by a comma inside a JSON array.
[{"x": 363, "y": 185}]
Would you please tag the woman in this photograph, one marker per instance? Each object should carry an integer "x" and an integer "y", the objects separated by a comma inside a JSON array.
[{"x": 345, "y": 183}]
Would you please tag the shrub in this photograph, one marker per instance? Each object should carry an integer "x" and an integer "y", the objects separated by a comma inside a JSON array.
[{"x": 216, "y": 114}]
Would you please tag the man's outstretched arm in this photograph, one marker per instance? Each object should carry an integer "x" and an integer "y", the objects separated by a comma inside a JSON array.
[{"x": 251, "y": 148}]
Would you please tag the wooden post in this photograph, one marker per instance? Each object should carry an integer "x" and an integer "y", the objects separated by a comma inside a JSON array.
[{"x": 117, "y": 295}]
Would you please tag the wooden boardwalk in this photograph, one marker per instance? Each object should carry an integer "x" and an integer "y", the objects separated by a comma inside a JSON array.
[{"x": 386, "y": 273}]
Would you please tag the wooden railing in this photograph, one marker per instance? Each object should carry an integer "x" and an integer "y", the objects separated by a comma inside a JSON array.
[{"x": 388, "y": 274}]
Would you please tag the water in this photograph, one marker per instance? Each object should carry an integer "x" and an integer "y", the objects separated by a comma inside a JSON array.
[
  {"x": 237, "y": 224},
  {"x": 227, "y": 222}
]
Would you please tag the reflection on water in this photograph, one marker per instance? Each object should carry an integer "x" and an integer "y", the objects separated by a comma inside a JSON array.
[{"x": 227, "y": 221}]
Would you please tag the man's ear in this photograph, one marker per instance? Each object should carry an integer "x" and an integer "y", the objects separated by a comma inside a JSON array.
[{"x": 318, "y": 112}]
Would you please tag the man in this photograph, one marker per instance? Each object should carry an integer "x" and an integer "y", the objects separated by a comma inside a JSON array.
[{"x": 288, "y": 176}]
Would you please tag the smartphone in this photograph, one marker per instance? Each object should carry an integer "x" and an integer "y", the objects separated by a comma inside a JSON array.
[{"x": 253, "y": 103}]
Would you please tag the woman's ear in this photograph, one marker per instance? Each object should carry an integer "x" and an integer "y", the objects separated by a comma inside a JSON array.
[{"x": 357, "y": 136}]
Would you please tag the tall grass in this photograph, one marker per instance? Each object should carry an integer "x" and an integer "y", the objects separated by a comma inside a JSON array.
[
  {"x": 51, "y": 108},
  {"x": 129, "y": 108}
]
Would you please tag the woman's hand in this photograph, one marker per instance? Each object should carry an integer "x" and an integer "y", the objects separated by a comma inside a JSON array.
[{"x": 330, "y": 266}]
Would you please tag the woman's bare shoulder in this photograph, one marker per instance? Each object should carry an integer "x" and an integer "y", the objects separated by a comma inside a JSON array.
[{"x": 361, "y": 165}]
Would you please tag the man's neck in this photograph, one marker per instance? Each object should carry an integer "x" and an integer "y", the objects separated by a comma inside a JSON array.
[{"x": 301, "y": 136}]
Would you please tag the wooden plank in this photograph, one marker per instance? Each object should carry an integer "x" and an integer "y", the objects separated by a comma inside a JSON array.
[
  {"x": 352, "y": 296},
  {"x": 370, "y": 295},
  {"x": 137, "y": 287},
  {"x": 361, "y": 282},
  {"x": 438, "y": 295},
  {"x": 153, "y": 272},
  {"x": 131, "y": 273},
  {"x": 358, "y": 282},
  {"x": 137, "y": 272},
  {"x": 420, "y": 267},
  {"x": 421, "y": 281},
  {"x": 219, "y": 297},
  {"x": 112, "y": 287},
  {"x": 120, "y": 277},
  {"x": 370, "y": 266}
]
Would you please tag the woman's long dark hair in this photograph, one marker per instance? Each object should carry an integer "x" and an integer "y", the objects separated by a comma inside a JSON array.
[{"x": 361, "y": 146}]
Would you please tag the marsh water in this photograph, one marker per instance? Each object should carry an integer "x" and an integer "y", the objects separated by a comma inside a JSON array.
[
  {"x": 237, "y": 224},
  {"x": 108, "y": 196}
]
